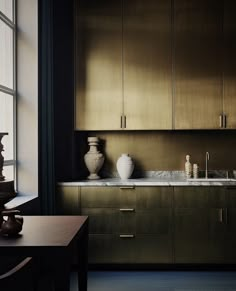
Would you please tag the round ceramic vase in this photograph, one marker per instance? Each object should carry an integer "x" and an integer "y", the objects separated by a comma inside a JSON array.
[{"x": 125, "y": 166}]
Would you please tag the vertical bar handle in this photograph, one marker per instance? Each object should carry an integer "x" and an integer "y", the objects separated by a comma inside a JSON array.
[
  {"x": 124, "y": 121},
  {"x": 220, "y": 213},
  {"x": 221, "y": 120},
  {"x": 121, "y": 121}
]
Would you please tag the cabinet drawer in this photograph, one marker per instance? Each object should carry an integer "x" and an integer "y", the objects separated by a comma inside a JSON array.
[
  {"x": 101, "y": 220},
  {"x": 158, "y": 222},
  {"x": 110, "y": 220},
  {"x": 145, "y": 249},
  {"x": 107, "y": 197},
  {"x": 154, "y": 197},
  {"x": 190, "y": 197}
]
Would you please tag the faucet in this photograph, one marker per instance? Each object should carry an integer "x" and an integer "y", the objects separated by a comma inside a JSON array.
[{"x": 207, "y": 159}]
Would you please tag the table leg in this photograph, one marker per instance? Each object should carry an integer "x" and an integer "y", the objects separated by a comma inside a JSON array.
[
  {"x": 83, "y": 259},
  {"x": 62, "y": 274}
]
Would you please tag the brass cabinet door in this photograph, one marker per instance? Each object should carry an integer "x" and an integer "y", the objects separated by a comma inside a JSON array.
[
  {"x": 200, "y": 229},
  {"x": 98, "y": 80},
  {"x": 147, "y": 64},
  {"x": 154, "y": 224},
  {"x": 198, "y": 69},
  {"x": 67, "y": 200},
  {"x": 230, "y": 63}
]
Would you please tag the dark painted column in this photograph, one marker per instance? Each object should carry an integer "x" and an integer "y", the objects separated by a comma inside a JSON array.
[{"x": 46, "y": 108}]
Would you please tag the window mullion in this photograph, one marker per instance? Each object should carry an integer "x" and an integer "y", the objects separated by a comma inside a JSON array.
[{"x": 7, "y": 21}]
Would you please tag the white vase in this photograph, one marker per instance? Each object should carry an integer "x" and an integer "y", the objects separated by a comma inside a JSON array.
[
  {"x": 93, "y": 158},
  {"x": 125, "y": 166}
]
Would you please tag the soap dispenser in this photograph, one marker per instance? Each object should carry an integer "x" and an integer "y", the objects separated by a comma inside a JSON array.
[{"x": 188, "y": 167}]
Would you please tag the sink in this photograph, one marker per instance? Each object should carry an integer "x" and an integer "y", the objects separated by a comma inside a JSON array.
[{"x": 211, "y": 180}]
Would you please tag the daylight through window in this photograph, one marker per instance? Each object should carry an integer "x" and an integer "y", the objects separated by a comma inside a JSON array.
[{"x": 8, "y": 85}]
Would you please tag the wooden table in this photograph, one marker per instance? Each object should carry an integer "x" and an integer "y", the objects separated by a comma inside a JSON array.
[{"x": 53, "y": 239}]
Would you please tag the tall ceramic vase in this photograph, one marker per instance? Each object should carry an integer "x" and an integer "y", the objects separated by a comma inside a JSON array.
[
  {"x": 125, "y": 166},
  {"x": 93, "y": 158}
]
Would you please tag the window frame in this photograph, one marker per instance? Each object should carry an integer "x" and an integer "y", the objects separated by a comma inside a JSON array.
[{"x": 12, "y": 91}]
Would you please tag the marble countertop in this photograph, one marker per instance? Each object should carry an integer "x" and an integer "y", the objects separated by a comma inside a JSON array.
[{"x": 157, "y": 178}]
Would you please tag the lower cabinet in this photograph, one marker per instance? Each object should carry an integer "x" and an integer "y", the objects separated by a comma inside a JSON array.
[
  {"x": 156, "y": 225},
  {"x": 205, "y": 225},
  {"x": 132, "y": 227}
]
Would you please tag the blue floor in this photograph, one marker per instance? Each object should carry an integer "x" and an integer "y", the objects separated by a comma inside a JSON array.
[{"x": 160, "y": 280}]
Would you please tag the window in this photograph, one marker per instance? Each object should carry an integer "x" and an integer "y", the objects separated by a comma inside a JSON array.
[{"x": 8, "y": 85}]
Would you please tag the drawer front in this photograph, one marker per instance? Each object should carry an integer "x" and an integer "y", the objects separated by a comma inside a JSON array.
[
  {"x": 190, "y": 197},
  {"x": 110, "y": 220},
  {"x": 107, "y": 197},
  {"x": 158, "y": 222},
  {"x": 102, "y": 220},
  {"x": 113, "y": 249},
  {"x": 154, "y": 197}
]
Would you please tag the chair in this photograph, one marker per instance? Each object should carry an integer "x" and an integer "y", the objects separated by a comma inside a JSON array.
[{"x": 20, "y": 277}]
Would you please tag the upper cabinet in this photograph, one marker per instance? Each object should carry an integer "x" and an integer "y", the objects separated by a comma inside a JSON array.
[
  {"x": 98, "y": 96},
  {"x": 147, "y": 64},
  {"x": 198, "y": 63},
  {"x": 229, "y": 85},
  {"x": 156, "y": 64},
  {"x": 123, "y": 65}
]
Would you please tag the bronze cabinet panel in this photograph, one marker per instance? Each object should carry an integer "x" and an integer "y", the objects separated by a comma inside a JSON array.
[
  {"x": 102, "y": 220},
  {"x": 229, "y": 63},
  {"x": 67, "y": 200},
  {"x": 200, "y": 224},
  {"x": 147, "y": 64},
  {"x": 100, "y": 248},
  {"x": 107, "y": 197},
  {"x": 198, "y": 69},
  {"x": 140, "y": 249},
  {"x": 98, "y": 96},
  {"x": 191, "y": 235},
  {"x": 154, "y": 222},
  {"x": 190, "y": 197},
  {"x": 149, "y": 198}
]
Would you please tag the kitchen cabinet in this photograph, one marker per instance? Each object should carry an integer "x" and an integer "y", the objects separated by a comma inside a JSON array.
[
  {"x": 123, "y": 65},
  {"x": 147, "y": 64},
  {"x": 126, "y": 224},
  {"x": 200, "y": 224},
  {"x": 198, "y": 64},
  {"x": 98, "y": 91},
  {"x": 156, "y": 225},
  {"x": 133, "y": 222},
  {"x": 229, "y": 69},
  {"x": 230, "y": 223}
]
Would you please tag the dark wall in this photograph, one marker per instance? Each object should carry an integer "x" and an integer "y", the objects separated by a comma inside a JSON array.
[{"x": 63, "y": 80}]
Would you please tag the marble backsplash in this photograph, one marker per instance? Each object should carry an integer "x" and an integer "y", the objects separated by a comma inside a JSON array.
[{"x": 173, "y": 174}]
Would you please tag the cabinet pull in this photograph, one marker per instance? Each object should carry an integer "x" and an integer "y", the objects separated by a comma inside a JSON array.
[
  {"x": 126, "y": 187},
  {"x": 127, "y": 209},
  {"x": 121, "y": 121},
  {"x": 221, "y": 215},
  {"x": 126, "y": 235},
  {"x": 124, "y": 121},
  {"x": 221, "y": 120}
]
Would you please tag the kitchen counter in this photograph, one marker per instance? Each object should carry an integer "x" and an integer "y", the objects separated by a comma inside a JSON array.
[
  {"x": 146, "y": 182},
  {"x": 156, "y": 178}
]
